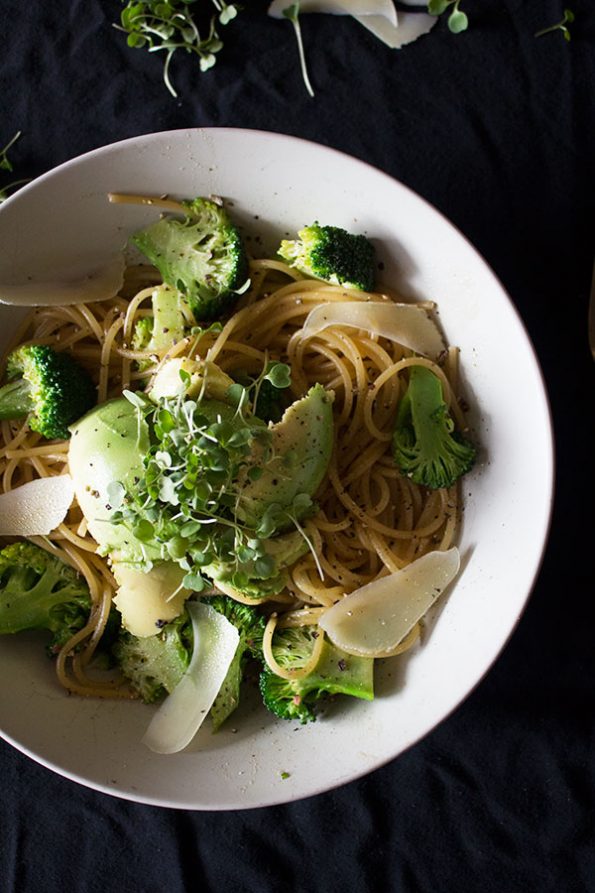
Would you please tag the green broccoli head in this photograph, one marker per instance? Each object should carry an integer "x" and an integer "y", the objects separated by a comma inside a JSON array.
[
  {"x": 39, "y": 591},
  {"x": 250, "y": 625},
  {"x": 141, "y": 339},
  {"x": 246, "y": 618},
  {"x": 202, "y": 256},
  {"x": 335, "y": 673},
  {"x": 48, "y": 386},
  {"x": 154, "y": 665},
  {"x": 332, "y": 254},
  {"x": 271, "y": 402},
  {"x": 426, "y": 447}
]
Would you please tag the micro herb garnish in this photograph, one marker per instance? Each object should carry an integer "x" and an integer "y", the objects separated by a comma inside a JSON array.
[
  {"x": 567, "y": 19},
  {"x": 293, "y": 14},
  {"x": 6, "y": 165},
  {"x": 185, "y": 502},
  {"x": 168, "y": 25},
  {"x": 457, "y": 20}
]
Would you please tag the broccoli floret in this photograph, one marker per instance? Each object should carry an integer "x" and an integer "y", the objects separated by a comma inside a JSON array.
[
  {"x": 426, "y": 447},
  {"x": 39, "y": 591},
  {"x": 271, "y": 402},
  {"x": 48, "y": 386},
  {"x": 154, "y": 665},
  {"x": 141, "y": 339},
  {"x": 332, "y": 254},
  {"x": 250, "y": 625},
  {"x": 170, "y": 322},
  {"x": 335, "y": 673},
  {"x": 202, "y": 256}
]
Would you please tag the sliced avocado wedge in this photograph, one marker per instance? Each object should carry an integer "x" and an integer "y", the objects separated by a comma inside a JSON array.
[
  {"x": 185, "y": 377},
  {"x": 285, "y": 550},
  {"x": 302, "y": 445},
  {"x": 108, "y": 445}
]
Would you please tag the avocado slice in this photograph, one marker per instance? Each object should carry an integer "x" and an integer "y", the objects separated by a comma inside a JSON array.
[
  {"x": 109, "y": 444},
  {"x": 201, "y": 376},
  {"x": 302, "y": 444},
  {"x": 285, "y": 550}
]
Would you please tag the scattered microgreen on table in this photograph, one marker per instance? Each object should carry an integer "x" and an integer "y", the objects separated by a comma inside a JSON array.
[
  {"x": 292, "y": 13},
  {"x": 457, "y": 19},
  {"x": 566, "y": 20},
  {"x": 6, "y": 165},
  {"x": 169, "y": 25}
]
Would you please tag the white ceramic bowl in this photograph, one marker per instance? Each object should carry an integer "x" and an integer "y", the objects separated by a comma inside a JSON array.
[{"x": 278, "y": 184}]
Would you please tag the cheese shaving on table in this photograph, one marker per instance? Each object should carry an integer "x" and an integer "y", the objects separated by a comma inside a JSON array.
[{"x": 378, "y": 16}]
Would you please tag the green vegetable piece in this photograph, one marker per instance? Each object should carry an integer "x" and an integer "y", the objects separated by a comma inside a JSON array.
[
  {"x": 302, "y": 444},
  {"x": 332, "y": 254},
  {"x": 154, "y": 665},
  {"x": 169, "y": 25},
  {"x": 255, "y": 578},
  {"x": 457, "y": 20},
  {"x": 171, "y": 322},
  {"x": 271, "y": 402},
  {"x": 202, "y": 256},
  {"x": 250, "y": 625},
  {"x": 567, "y": 19},
  {"x": 39, "y": 591},
  {"x": 107, "y": 446},
  {"x": 49, "y": 387},
  {"x": 292, "y": 13},
  {"x": 184, "y": 377},
  {"x": 426, "y": 447},
  {"x": 6, "y": 165},
  {"x": 335, "y": 673}
]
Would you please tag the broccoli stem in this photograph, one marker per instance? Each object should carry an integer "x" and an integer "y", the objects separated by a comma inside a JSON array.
[{"x": 15, "y": 399}]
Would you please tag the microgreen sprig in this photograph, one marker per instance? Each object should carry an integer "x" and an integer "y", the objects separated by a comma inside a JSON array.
[
  {"x": 185, "y": 502},
  {"x": 292, "y": 13},
  {"x": 169, "y": 25},
  {"x": 567, "y": 19},
  {"x": 457, "y": 20},
  {"x": 6, "y": 165}
]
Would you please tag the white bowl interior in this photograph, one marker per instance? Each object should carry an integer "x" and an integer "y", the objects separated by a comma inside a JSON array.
[{"x": 277, "y": 184}]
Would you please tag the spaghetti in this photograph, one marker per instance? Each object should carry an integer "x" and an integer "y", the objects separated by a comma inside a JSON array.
[{"x": 371, "y": 521}]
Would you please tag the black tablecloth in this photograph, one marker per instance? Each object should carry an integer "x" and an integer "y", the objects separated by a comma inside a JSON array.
[{"x": 496, "y": 128}]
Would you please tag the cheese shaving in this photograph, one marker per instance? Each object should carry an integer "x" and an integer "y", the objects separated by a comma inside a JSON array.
[
  {"x": 90, "y": 282},
  {"x": 36, "y": 508},
  {"x": 404, "y": 324},
  {"x": 373, "y": 620},
  {"x": 182, "y": 713}
]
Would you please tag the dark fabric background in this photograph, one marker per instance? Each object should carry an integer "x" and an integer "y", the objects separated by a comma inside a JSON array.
[{"x": 496, "y": 128}]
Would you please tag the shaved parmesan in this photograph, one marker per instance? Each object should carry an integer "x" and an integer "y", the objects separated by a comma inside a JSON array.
[
  {"x": 83, "y": 283},
  {"x": 405, "y": 324},
  {"x": 411, "y": 25},
  {"x": 378, "y": 16},
  {"x": 180, "y": 716},
  {"x": 371, "y": 621},
  {"x": 380, "y": 8},
  {"x": 36, "y": 508}
]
